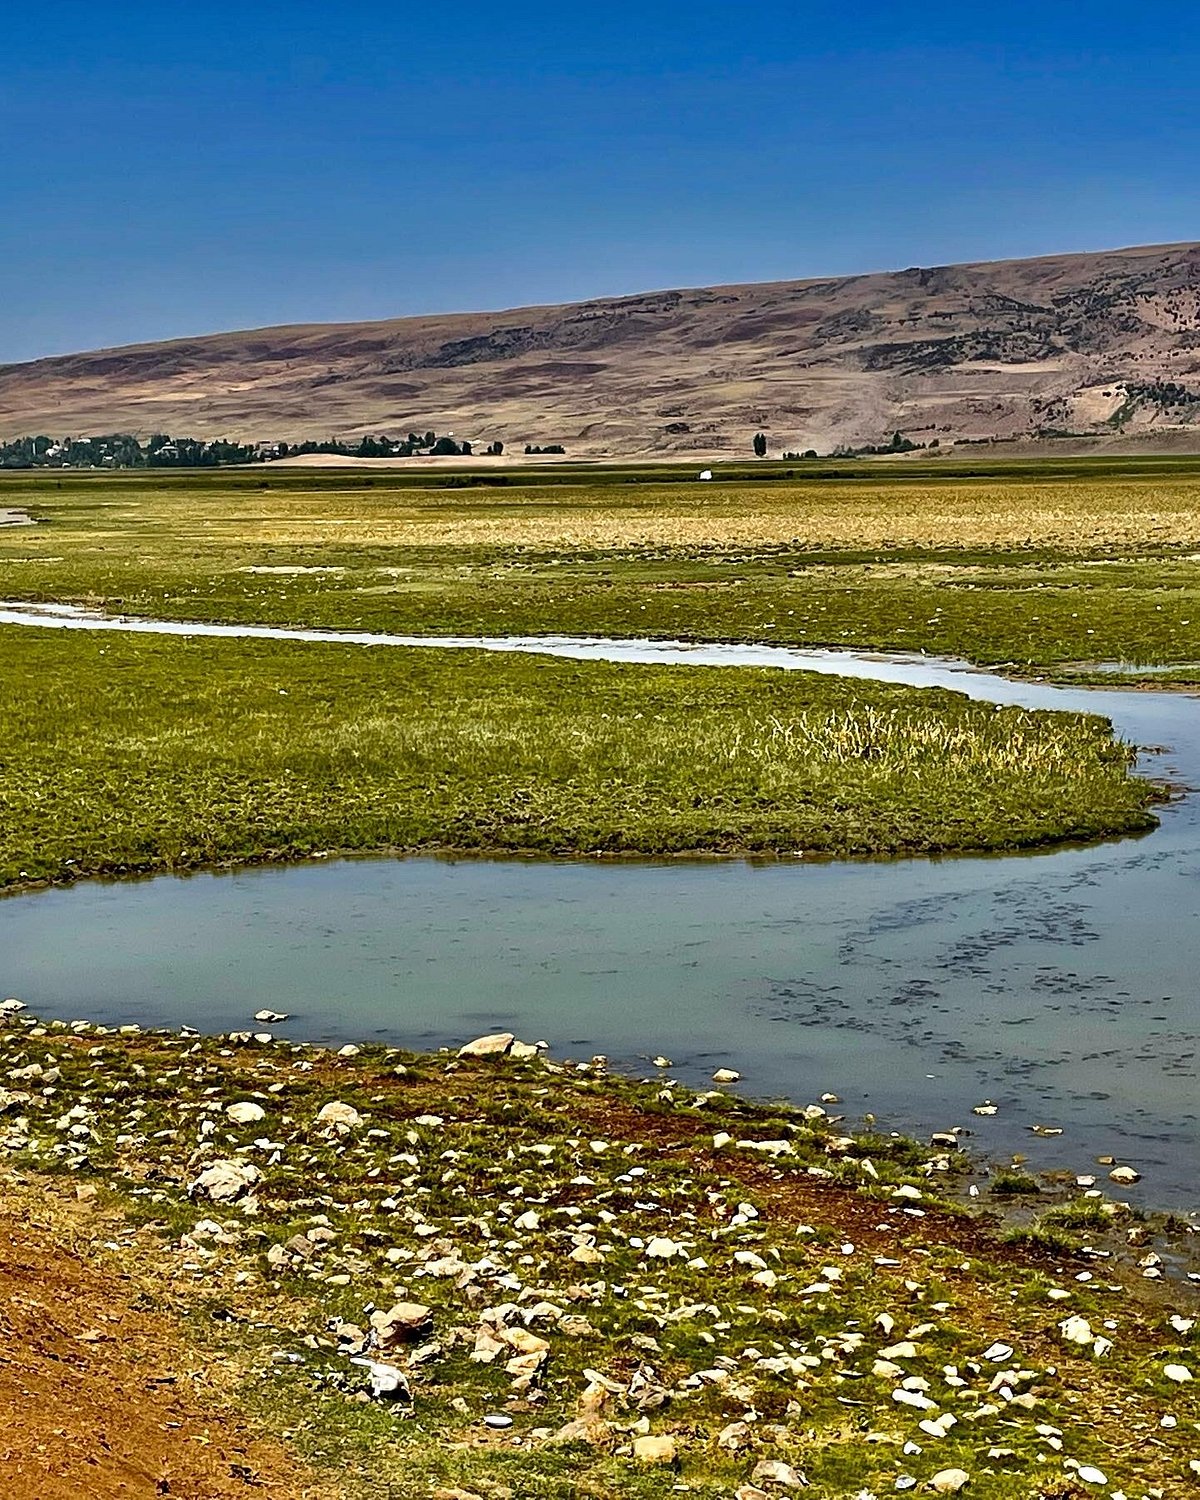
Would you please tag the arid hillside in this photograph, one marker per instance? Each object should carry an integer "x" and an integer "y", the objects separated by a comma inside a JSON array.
[{"x": 1105, "y": 344}]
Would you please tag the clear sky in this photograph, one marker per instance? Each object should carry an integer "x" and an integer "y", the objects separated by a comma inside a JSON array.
[{"x": 182, "y": 168}]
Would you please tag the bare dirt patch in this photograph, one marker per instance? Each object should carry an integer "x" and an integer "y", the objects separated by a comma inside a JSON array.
[{"x": 97, "y": 1398}]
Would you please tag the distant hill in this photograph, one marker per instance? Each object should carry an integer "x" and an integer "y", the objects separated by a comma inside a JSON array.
[{"x": 1105, "y": 344}]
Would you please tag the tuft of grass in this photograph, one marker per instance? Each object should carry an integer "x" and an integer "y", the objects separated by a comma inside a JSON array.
[
  {"x": 1086, "y": 1213},
  {"x": 1014, "y": 1184}
]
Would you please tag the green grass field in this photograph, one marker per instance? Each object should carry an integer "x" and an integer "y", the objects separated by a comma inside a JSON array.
[
  {"x": 153, "y": 755},
  {"x": 1045, "y": 568}
]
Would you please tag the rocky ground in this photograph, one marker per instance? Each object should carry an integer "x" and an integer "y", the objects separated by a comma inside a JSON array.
[{"x": 498, "y": 1274}]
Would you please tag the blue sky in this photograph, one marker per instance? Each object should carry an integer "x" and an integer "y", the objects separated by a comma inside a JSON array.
[{"x": 179, "y": 169}]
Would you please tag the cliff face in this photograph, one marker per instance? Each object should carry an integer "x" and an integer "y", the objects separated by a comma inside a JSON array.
[{"x": 1105, "y": 343}]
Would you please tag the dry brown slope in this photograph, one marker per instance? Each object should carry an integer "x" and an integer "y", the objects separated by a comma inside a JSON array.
[{"x": 994, "y": 349}]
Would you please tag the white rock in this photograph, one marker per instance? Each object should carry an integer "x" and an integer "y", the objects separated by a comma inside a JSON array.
[
  {"x": 1076, "y": 1330},
  {"x": 726, "y": 1075},
  {"x": 775, "y": 1471},
  {"x": 662, "y": 1248},
  {"x": 1177, "y": 1373},
  {"x": 496, "y": 1044},
  {"x": 226, "y": 1181},
  {"x": 1091, "y": 1475},
  {"x": 1124, "y": 1175},
  {"x": 949, "y": 1481},
  {"x": 269, "y": 1017},
  {"x": 245, "y": 1112},
  {"x": 340, "y": 1116}
]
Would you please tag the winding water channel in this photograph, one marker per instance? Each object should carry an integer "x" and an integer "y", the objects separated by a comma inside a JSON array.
[{"x": 1063, "y": 986}]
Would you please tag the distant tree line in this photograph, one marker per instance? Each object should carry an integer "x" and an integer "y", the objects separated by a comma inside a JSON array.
[
  {"x": 899, "y": 444},
  {"x": 119, "y": 450},
  {"x": 1163, "y": 393}
]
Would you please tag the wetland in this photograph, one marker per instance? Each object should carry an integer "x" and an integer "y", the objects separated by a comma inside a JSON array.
[{"x": 689, "y": 719}]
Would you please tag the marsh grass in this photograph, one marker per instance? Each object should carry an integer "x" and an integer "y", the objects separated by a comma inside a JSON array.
[
  {"x": 1045, "y": 567},
  {"x": 126, "y": 753}
]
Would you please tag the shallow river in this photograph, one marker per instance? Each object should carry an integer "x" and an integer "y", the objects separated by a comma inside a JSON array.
[{"x": 1063, "y": 987}]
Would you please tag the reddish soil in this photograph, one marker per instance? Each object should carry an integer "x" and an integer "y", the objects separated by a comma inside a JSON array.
[{"x": 97, "y": 1399}]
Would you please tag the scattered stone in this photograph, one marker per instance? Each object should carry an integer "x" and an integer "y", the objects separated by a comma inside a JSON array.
[
  {"x": 340, "y": 1116},
  {"x": 245, "y": 1112},
  {"x": 1124, "y": 1175},
  {"x": 655, "y": 1450},
  {"x": 404, "y": 1323},
  {"x": 497, "y": 1044},
  {"x": 1091, "y": 1475},
  {"x": 1178, "y": 1373},
  {"x": 726, "y": 1075},
  {"x": 775, "y": 1471},
  {"x": 270, "y": 1017},
  {"x": 225, "y": 1181},
  {"x": 949, "y": 1481}
]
